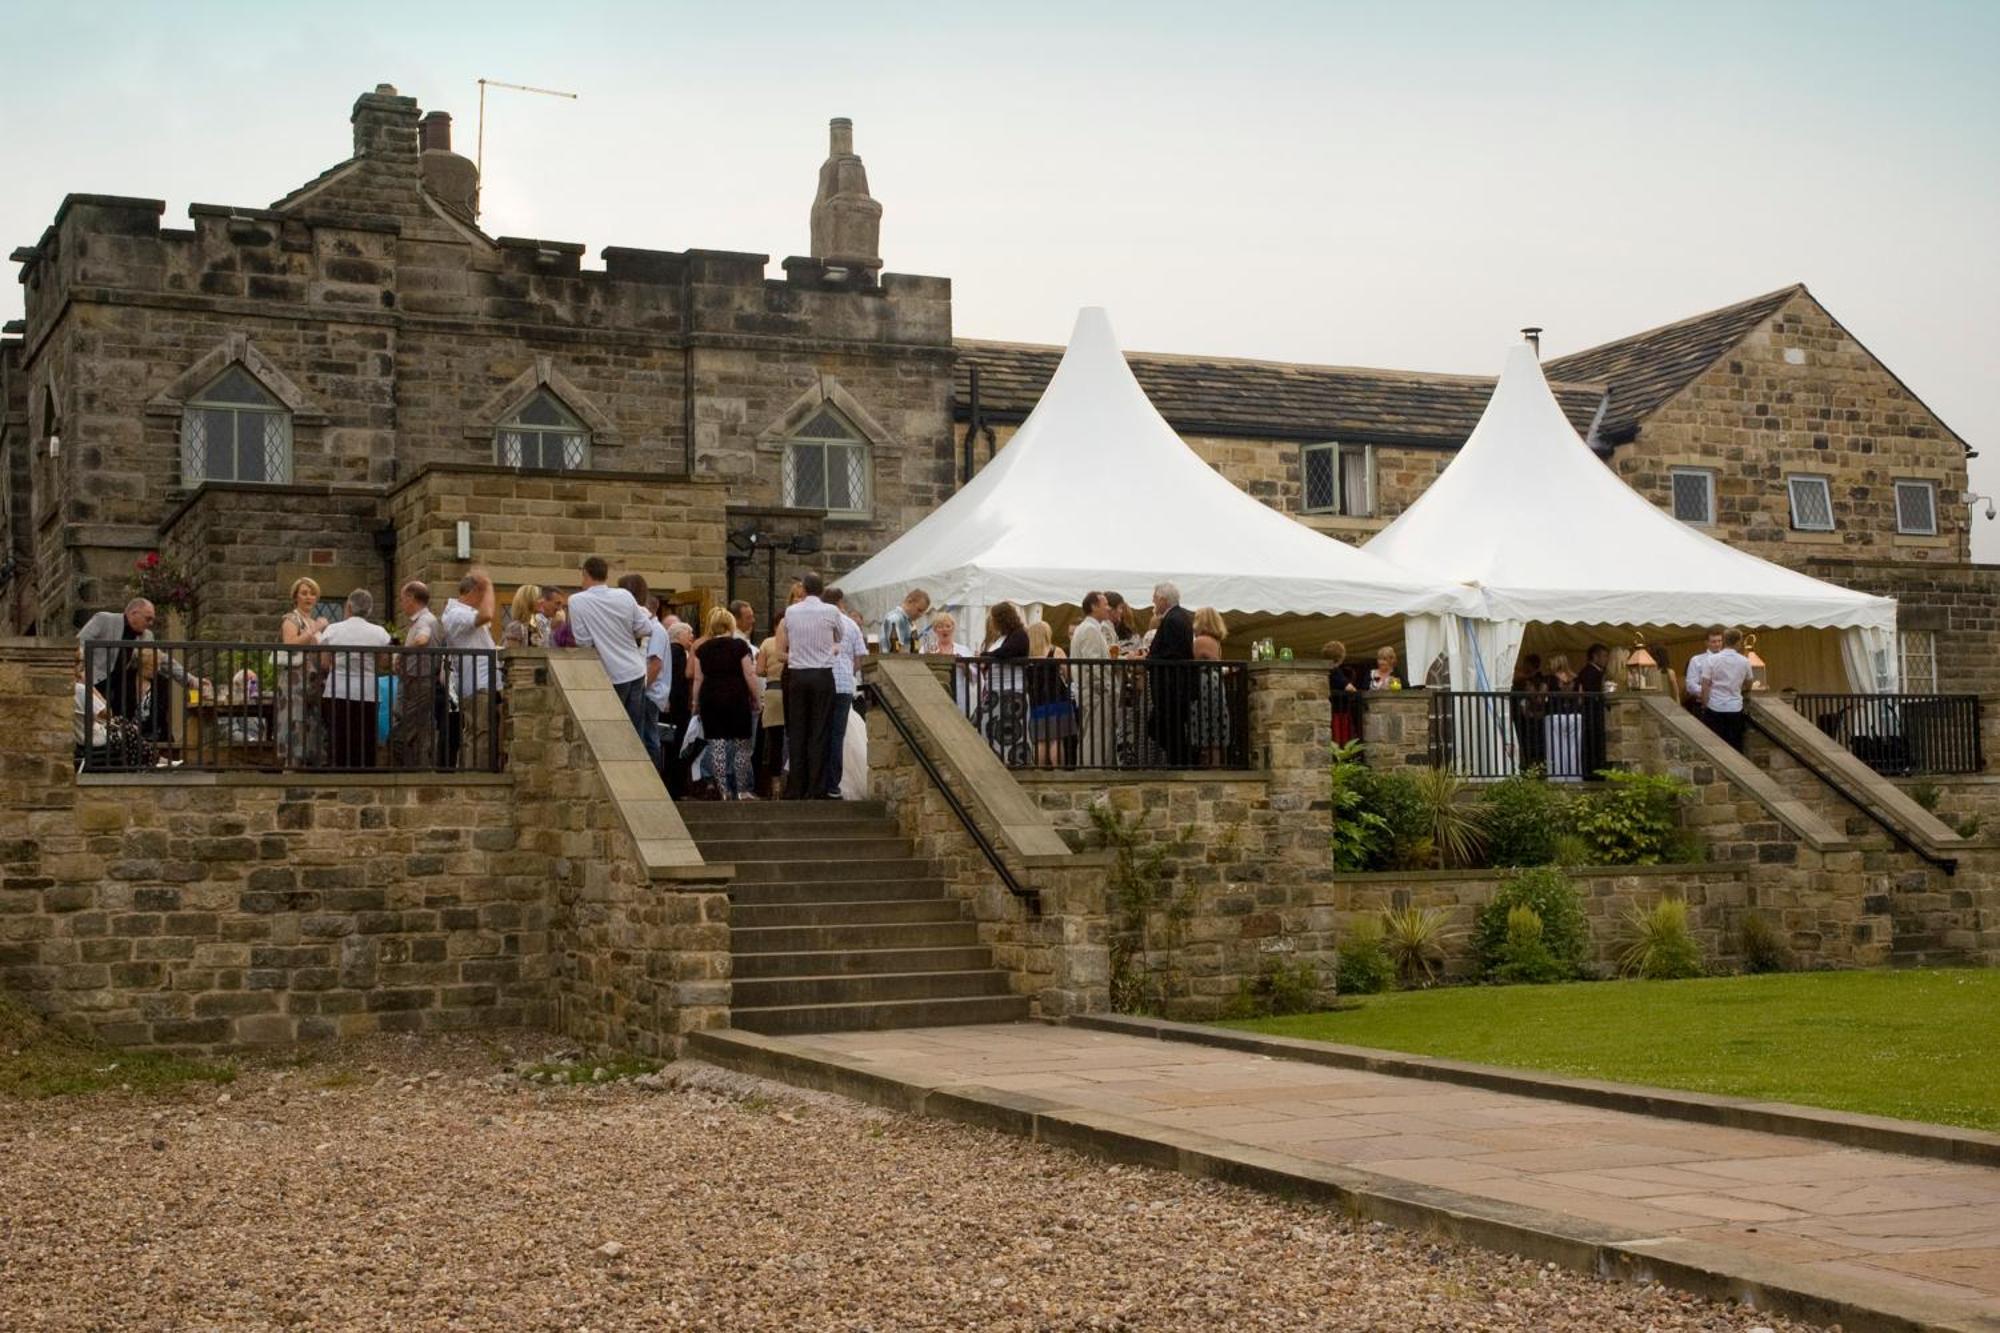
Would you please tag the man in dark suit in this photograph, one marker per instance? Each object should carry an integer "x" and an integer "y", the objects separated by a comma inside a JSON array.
[
  {"x": 1590, "y": 680},
  {"x": 1173, "y": 688}
]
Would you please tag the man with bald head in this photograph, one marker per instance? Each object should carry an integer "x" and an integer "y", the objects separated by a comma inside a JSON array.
[{"x": 110, "y": 661}]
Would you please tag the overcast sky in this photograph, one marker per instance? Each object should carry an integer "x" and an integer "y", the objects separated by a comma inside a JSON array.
[{"x": 1357, "y": 183}]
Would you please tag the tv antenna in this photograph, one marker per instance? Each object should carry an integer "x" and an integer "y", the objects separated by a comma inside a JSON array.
[{"x": 479, "y": 161}]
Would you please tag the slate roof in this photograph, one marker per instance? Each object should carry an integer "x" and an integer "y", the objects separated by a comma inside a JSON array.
[
  {"x": 1647, "y": 369},
  {"x": 1201, "y": 395}
]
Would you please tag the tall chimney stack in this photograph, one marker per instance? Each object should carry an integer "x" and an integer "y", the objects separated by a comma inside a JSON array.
[{"x": 846, "y": 219}]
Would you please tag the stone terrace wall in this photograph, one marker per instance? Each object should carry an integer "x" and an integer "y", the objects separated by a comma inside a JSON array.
[
  {"x": 1717, "y": 898},
  {"x": 537, "y": 527},
  {"x": 170, "y": 911},
  {"x": 215, "y": 911}
]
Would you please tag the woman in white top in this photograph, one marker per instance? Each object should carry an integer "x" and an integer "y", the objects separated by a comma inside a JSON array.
[{"x": 296, "y": 725}]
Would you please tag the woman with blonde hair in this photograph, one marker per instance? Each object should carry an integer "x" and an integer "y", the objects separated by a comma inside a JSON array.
[
  {"x": 1208, "y": 722},
  {"x": 1051, "y": 710},
  {"x": 725, "y": 692},
  {"x": 296, "y": 730},
  {"x": 1562, "y": 722},
  {"x": 527, "y": 627}
]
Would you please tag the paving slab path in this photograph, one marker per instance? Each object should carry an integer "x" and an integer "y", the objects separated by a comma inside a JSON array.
[{"x": 1893, "y": 1240}]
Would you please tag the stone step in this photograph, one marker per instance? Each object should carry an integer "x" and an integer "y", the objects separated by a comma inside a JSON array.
[
  {"x": 852, "y": 913},
  {"x": 867, "y": 936},
  {"x": 859, "y": 988},
  {"x": 834, "y": 891},
  {"x": 822, "y": 871},
  {"x": 744, "y": 851},
  {"x": 761, "y": 812},
  {"x": 875, "y": 1015},
  {"x": 871, "y": 962},
  {"x": 802, "y": 830}
]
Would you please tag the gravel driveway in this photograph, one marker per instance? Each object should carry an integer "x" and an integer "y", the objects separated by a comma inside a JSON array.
[{"x": 406, "y": 1185}]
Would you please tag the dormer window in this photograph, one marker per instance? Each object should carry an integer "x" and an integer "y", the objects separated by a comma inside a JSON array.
[
  {"x": 542, "y": 433},
  {"x": 826, "y": 467},
  {"x": 235, "y": 430}
]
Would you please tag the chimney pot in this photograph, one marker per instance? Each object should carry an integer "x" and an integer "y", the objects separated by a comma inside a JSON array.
[
  {"x": 1533, "y": 333},
  {"x": 385, "y": 90},
  {"x": 434, "y": 132},
  {"x": 841, "y": 136}
]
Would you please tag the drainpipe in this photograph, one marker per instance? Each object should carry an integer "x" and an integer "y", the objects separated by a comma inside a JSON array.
[
  {"x": 971, "y": 423},
  {"x": 687, "y": 369}
]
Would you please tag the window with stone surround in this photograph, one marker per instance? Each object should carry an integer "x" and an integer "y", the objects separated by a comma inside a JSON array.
[
  {"x": 235, "y": 430},
  {"x": 826, "y": 466},
  {"x": 542, "y": 433},
  {"x": 1916, "y": 508},
  {"x": 1812, "y": 503},
  {"x": 1337, "y": 479},
  {"x": 1916, "y": 655},
  {"x": 1694, "y": 494}
]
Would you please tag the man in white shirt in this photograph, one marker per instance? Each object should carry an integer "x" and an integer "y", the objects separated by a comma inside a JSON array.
[
  {"x": 1090, "y": 641},
  {"x": 611, "y": 621},
  {"x": 469, "y": 672},
  {"x": 419, "y": 719},
  {"x": 1724, "y": 678},
  {"x": 812, "y": 629},
  {"x": 745, "y": 616},
  {"x": 847, "y": 660},
  {"x": 350, "y": 682},
  {"x": 1698, "y": 666}
]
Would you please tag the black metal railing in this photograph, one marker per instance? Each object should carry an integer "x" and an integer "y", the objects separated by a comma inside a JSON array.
[
  {"x": 1901, "y": 735},
  {"x": 269, "y": 707},
  {"x": 1483, "y": 734},
  {"x": 1106, "y": 714}
]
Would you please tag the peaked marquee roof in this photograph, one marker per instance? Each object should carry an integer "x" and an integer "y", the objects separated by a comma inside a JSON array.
[
  {"x": 1548, "y": 533},
  {"x": 1037, "y": 523}
]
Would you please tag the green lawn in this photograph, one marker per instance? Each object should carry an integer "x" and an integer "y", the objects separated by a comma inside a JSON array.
[
  {"x": 36, "y": 1060},
  {"x": 1917, "y": 1045}
]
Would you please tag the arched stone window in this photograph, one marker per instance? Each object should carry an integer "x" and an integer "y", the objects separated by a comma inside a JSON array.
[
  {"x": 542, "y": 433},
  {"x": 827, "y": 466},
  {"x": 235, "y": 429}
]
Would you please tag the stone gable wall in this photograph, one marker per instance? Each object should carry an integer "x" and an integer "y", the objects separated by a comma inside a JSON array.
[
  {"x": 1756, "y": 417},
  {"x": 249, "y": 543}
]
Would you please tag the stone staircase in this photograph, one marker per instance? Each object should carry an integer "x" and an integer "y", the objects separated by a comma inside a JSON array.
[{"x": 837, "y": 926}]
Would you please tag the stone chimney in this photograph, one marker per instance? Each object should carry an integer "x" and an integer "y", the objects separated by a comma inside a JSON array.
[
  {"x": 385, "y": 128},
  {"x": 450, "y": 179},
  {"x": 846, "y": 221}
]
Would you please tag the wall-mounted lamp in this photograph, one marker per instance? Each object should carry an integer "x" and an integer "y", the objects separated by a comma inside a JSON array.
[{"x": 464, "y": 540}]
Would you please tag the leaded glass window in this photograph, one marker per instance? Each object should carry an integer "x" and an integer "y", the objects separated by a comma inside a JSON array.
[
  {"x": 1694, "y": 494},
  {"x": 1337, "y": 480},
  {"x": 1812, "y": 503},
  {"x": 235, "y": 430},
  {"x": 1916, "y": 508},
  {"x": 826, "y": 467},
  {"x": 542, "y": 433}
]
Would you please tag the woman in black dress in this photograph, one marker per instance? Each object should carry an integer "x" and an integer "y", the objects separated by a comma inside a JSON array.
[{"x": 726, "y": 690}]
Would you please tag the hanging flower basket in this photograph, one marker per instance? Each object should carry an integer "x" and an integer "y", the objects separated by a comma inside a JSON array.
[{"x": 163, "y": 583}]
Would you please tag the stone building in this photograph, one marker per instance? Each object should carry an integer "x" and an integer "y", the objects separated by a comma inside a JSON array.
[
  {"x": 258, "y": 386},
  {"x": 335, "y": 383}
]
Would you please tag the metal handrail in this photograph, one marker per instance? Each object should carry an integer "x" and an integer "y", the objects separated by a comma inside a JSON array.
[
  {"x": 1901, "y": 735},
  {"x": 1031, "y": 897}
]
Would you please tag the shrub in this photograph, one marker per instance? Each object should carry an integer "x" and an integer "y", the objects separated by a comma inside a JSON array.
[
  {"x": 1524, "y": 957},
  {"x": 1364, "y": 968},
  {"x": 1416, "y": 937},
  {"x": 1660, "y": 946},
  {"x": 1927, "y": 794},
  {"x": 1763, "y": 946},
  {"x": 1558, "y": 908},
  {"x": 1405, "y": 839},
  {"x": 1281, "y": 988},
  {"x": 1630, "y": 821},
  {"x": 1968, "y": 827},
  {"x": 1358, "y": 832},
  {"x": 1573, "y": 850},
  {"x": 1526, "y": 817},
  {"x": 1457, "y": 829},
  {"x": 1685, "y": 847}
]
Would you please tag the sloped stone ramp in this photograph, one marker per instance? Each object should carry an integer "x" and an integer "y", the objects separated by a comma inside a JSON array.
[{"x": 1819, "y": 1231}]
